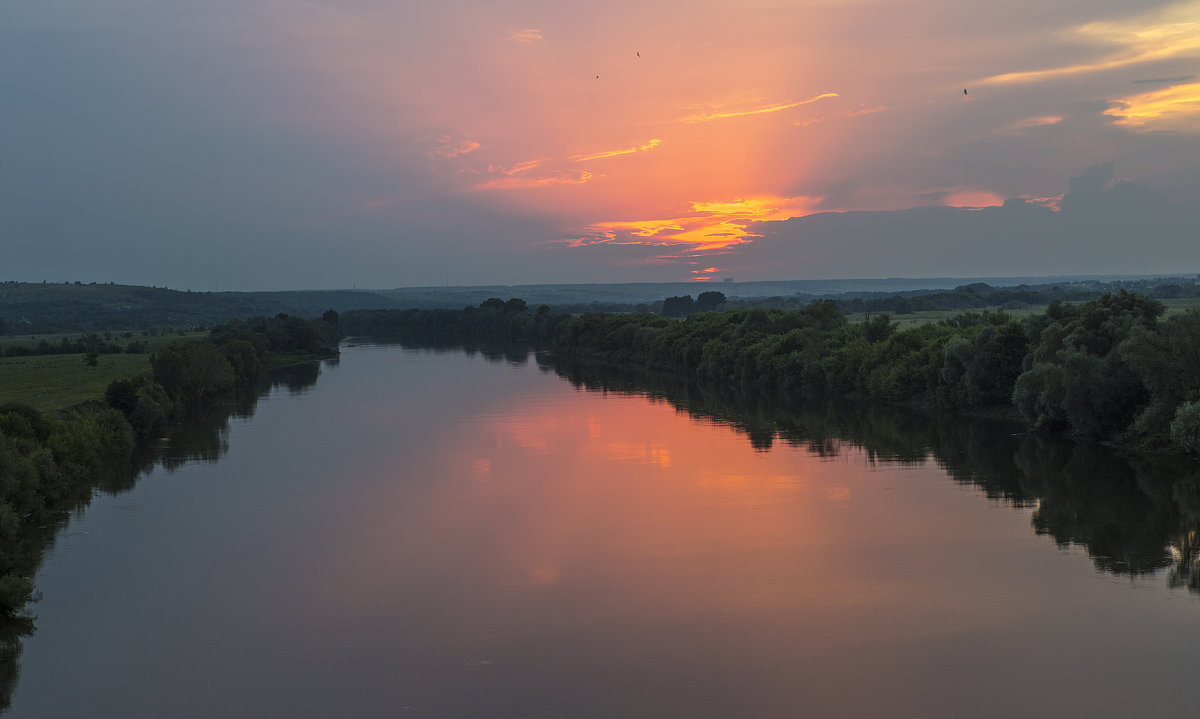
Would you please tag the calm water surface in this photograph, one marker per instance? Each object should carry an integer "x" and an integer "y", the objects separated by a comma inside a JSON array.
[{"x": 436, "y": 535}]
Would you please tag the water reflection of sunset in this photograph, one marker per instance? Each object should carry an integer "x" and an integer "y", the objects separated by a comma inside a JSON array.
[
  {"x": 472, "y": 538},
  {"x": 596, "y": 508}
]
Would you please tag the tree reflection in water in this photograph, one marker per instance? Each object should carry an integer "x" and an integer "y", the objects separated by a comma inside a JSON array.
[
  {"x": 201, "y": 436},
  {"x": 1133, "y": 515}
]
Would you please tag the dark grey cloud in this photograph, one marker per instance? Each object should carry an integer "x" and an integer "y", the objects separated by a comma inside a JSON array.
[
  {"x": 1104, "y": 225},
  {"x": 1166, "y": 80},
  {"x": 144, "y": 146}
]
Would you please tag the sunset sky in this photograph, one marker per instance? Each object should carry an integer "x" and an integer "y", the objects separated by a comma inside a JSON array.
[{"x": 287, "y": 144}]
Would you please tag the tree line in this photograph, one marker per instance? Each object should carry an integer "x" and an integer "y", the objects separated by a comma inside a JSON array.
[
  {"x": 1112, "y": 369},
  {"x": 91, "y": 343}
]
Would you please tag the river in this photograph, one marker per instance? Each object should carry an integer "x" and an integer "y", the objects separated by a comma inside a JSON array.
[{"x": 446, "y": 534}]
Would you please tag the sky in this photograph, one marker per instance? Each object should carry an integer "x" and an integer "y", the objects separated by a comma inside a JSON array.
[{"x": 294, "y": 144}]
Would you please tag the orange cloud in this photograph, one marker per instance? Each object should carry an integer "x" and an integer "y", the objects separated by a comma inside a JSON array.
[
  {"x": 865, "y": 110},
  {"x": 517, "y": 169},
  {"x": 1054, "y": 202},
  {"x": 967, "y": 198},
  {"x": 1175, "y": 107},
  {"x": 449, "y": 148},
  {"x": 1173, "y": 32},
  {"x": 1029, "y": 122},
  {"x": 528, "y": 35},
  {"x": 852, "y": 112},
  {"x": 614, "y": 153},
  {"x": 712, "y": 226},
  {"x": 461, "y": 148},
  {"x": 511, "y": 182},
  {"x": 706, "y": 117}
]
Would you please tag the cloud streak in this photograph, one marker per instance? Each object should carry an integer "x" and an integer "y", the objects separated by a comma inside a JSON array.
[
  {"x": 616, "y": 153},
  {"x": 1173, "y": 108},
  {"x": 449, "y": 148},
  {"x": 764, "y": 110},
  {"x": 517, "y": 182},
  {"x": 526, "y": 36},
  {"x": 1168, "y": 34}
]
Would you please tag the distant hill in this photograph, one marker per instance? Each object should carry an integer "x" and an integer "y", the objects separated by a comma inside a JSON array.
[
  {"x": 40, "y": 308},
  {"x": 648, "y": 295},
  {"x": 29, "y": 308}
]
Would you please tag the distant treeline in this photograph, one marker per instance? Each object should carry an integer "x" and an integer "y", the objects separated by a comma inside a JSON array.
[
  {"x": 981, "y": 295},
  {"x": 1111, "y": 369},
  {"x": 30, "y": 309},
  {"x": 87, "y": 344},
  {"x": 494, "y": 319},
  {"x": 49, "y": 461},
  {"x": 977, "y": 296}
]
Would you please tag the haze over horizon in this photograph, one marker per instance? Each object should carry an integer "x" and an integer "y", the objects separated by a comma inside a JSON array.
[{"x": 294, "y": 144}]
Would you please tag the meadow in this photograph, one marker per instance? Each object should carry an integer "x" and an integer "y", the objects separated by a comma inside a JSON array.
[
  {"x": 1173, "y": 307},
  {"x": 56, "y": 381},
  {"x": 49, "y": 382}
]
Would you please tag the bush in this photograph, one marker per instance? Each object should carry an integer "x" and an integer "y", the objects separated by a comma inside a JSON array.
[{"x": 1185, "y": 428}]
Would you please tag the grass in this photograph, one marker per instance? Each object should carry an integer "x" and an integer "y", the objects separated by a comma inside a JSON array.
[
  {"x": 919, "y": 318},
  {"x": 925, "y": 317},
  {"x": 152, "y": 342},
  {"x": 1182, "y": 304},
  {"x": 50, "y": 382}
]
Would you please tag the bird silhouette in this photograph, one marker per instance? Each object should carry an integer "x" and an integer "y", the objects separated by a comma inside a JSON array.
[{"x": 964, "y": 91}]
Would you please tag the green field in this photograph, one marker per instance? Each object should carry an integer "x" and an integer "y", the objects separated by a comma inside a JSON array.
[
  {"x": 1182, "y": 304},
  {"x": 50, "y": 382},
  {"x": 919, "y": 318},
  {"x": 152, "y": 342}
]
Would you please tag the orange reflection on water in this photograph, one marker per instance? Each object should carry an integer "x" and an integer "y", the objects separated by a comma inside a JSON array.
[
  {"x": 635, "y": 506},
  {"x": 606, "y": 526}
]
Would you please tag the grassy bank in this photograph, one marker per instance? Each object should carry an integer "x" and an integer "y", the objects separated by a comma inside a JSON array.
[{"x": 50, "y": 382}]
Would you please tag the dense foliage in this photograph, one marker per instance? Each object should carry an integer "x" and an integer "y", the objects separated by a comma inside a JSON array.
[
  {"x": 493, "y": 319},
  {"x": 1111, "y": 369}
]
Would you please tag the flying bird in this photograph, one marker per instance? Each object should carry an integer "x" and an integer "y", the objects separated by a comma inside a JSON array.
[
  {"x": 964, "y": 91},
  {"x": 639, "y": 54}
]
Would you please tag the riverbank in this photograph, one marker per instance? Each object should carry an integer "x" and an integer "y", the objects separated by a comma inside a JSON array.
[
  {"x": 51, "y": 460},
  {"x": 1113, "y": 369}
]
